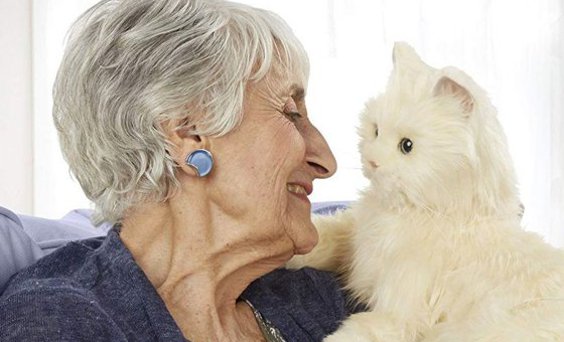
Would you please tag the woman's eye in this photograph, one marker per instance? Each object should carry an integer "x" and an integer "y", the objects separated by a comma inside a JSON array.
[
  {"x": 405, "y": 145},
  {"x": 293, "y": 116},
  {"x": 291, "y": 110}
]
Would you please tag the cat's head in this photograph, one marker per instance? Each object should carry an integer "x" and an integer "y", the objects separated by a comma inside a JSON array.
[{"x": 432, "y": 140}]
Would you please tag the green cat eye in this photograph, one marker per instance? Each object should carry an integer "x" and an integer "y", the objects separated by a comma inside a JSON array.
[{"x": 405, "y": 145}]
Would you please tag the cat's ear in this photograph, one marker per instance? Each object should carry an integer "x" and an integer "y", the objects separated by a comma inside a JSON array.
[
  {"x": 404, "y": 55},
  {"x": 446, "y": 86}
]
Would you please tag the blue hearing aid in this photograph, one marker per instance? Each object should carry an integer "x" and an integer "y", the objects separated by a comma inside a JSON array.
[{"x": 201, "y": 161}]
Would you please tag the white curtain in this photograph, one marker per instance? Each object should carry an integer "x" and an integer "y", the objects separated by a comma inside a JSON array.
[{"x": 512, "y": 48}]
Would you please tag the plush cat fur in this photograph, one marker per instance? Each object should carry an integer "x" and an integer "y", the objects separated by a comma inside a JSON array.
[{"x": 434, "y": 245}]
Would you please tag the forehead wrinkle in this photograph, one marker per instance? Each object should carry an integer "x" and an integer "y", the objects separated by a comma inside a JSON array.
[
  {"x": 264, "y": 93},
  {"x": 287, "y": 79},
  {"x": 275, "y": 94}
]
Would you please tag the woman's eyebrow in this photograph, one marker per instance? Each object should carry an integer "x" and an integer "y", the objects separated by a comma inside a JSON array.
[{"x": 297, "y": 92}]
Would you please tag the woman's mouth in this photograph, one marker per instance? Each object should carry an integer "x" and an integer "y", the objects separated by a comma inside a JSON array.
[{"x": 299, "y": 190}]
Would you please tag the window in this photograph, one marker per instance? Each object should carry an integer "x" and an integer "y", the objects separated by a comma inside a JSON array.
[{"x": 513, "y": 49}]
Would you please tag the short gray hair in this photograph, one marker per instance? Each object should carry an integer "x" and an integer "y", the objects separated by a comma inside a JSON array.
[{"x": 131, "y": 65}]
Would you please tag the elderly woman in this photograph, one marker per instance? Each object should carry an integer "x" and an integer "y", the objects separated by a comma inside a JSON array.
[{"x": 185, "y": 123}]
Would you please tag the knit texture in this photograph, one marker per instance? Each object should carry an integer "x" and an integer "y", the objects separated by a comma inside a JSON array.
[{"x": 92, "y": 290}]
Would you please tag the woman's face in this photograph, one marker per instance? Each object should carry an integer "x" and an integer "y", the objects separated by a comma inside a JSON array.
[{"x": 265, "y": 168}]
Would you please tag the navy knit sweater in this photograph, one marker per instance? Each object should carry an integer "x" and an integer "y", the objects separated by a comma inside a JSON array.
[{"x": 92, "y": 290}]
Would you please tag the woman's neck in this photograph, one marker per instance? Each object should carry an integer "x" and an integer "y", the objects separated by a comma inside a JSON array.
[{"x": 200, "y": 261}]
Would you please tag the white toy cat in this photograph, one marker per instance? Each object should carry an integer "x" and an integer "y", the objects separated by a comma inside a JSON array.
[{"x": 434, "y": 246}]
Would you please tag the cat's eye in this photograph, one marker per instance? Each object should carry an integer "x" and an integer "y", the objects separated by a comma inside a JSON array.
[
  {"x": 376, "y": 130},
  {"x": 405, "y": 145}
]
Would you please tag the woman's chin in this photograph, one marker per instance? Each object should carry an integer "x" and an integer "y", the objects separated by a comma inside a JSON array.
[{"x": 306, "y": 242}]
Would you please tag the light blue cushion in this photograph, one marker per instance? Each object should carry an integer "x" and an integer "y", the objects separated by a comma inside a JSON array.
[
  {"x": 52, "y": 234},
  {"x": 24, "y": 239},
  {"x": 328, "y": 208},
  {"x": 17, "y": 249}
]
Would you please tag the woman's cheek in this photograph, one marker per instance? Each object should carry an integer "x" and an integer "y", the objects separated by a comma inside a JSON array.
[
  {"x": 291, "y": 144},
  {"x": 298, "y": 144}
]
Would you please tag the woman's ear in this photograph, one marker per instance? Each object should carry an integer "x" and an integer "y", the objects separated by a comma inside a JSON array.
[{"x": 183, "y": 141}]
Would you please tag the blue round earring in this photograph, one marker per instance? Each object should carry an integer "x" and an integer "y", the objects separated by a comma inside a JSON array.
[{"x": 201, "y": 161}]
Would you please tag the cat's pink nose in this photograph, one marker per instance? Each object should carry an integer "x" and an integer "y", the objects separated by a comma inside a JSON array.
[{"x": 373, "y": 164}]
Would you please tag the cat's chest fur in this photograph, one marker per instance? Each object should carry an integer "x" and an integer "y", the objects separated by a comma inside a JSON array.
[
  {"x": 434, "y": 246},
  {"x": 414, "y": 260}
]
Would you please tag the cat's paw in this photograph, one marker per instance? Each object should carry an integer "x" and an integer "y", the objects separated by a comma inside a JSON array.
[
  {"x": 371, "y": 327},
  {"x": 357, "y": 328},
  {"x": 345, "y": 335}
]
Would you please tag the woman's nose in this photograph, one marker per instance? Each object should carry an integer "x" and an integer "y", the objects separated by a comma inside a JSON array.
[{"x": 319, "y": 157}]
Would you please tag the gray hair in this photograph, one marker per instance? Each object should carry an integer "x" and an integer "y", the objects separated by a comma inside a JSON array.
[{"x": 131, "y": 65}]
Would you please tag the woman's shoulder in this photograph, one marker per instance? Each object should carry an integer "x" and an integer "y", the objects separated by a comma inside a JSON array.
[
  {"x": 49, "y": 311},
  {"x": 55, "y": 293},
  {"x": 62, "y": 268},
  {"x": 89, "y": 290}
]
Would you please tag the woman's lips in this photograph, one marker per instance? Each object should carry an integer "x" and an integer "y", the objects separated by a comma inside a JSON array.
[{"x": 300, "y": 190}]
